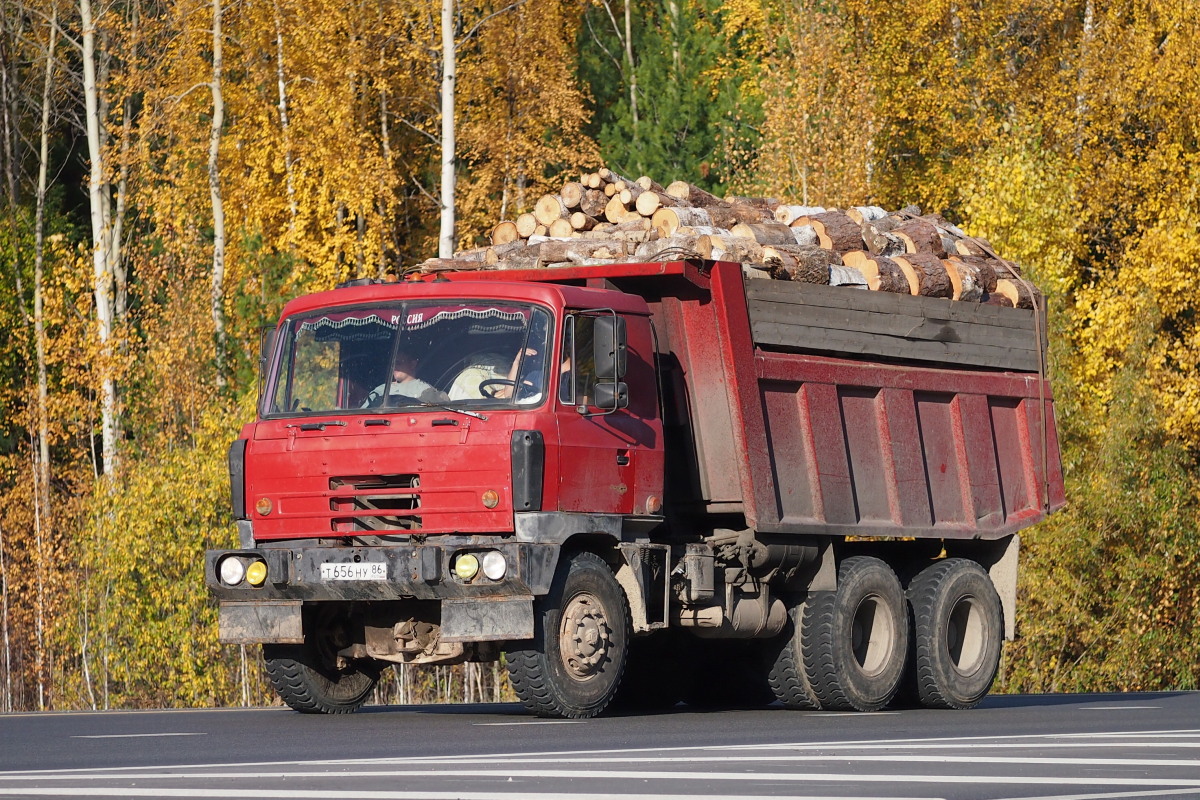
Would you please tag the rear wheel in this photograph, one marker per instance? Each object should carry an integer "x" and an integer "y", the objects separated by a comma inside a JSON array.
[
  {"x": 958, "y": 627},
  {"x": 573, "y": 666},
  {"x": 313, "y": 680},
  {"x": 787, "y": 678},
  {"x": 854, "y": 641}
]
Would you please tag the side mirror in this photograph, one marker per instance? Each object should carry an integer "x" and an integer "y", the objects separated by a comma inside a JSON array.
[
  {"x": 610, "y": 396},
  {"x": 610, "y": 348}
]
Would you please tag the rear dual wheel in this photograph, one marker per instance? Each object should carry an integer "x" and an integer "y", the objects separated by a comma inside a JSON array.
[
  {"x": 848, "y": 647},
  {"x": 958, "y": 628}
]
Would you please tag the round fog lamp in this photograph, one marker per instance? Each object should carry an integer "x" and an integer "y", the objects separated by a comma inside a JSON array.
[
  {"x": 232, "y": 571},
  {"x": 256, "y": 573},
  {"x": 494, "y": 565},
  {"x": 263, "y": 506},
  {"x": 466, "y": 566}
]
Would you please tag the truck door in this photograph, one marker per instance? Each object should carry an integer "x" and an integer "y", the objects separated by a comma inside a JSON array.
[{"x": 612, "y": 458}]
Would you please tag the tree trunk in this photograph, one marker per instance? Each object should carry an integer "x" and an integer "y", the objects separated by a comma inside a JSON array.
[
  {"x": 39, "y": 257},
  {"x": 214, "y": 190},
  {"x": 446, "y": 233},
  {"x": 616, "y": 211},
  {"x": 796, "y": 263},
  {"x": 650, "y": 185},
  {"x": 765, "y": 233},
  {"x": 582, "y": 222},
  {"x": 669, "y": 220},
  {"x": 526, "y": 224},
  {"x": 731, "y": 248},
  {"x": 864, "y": 214},
  {"x": 561, "y": 228},
  {"x": 881, "y": 274},
  {"x": 102, "y": 257},
  {"x": 548, "y": 208},
  {"x": 285, "y": 128},
  {"x": 835, "y": 231},
  {"x": 1020, "y": 293},
  {"x": 920, "y": 236},
  {"x": 974, "y": 271},
  {"x": 572, "y": 195},
  {"x": 929, "y": 272},
  {"x": 694, "y": 195},
  {"x": 503, "y": 233},
  {"x": 593, "y": 203},
  {"x": 8, "y": 688},
  {"x": 790, "y": 214}
]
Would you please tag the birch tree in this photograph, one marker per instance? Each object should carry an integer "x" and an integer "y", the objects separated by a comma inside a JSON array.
[
  {"x": 106, "y": 246},
  {"x": 447, "y": 242},
  {"x": 214, "y": 188}
]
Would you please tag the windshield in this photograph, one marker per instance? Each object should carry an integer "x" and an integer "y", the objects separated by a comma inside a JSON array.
[{"x": 445, "y": 353}]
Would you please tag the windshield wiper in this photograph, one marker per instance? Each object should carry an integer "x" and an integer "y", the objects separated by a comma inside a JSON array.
[{"x": 445, "y": 407}]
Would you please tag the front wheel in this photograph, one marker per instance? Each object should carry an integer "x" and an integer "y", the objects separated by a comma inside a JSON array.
[
  {"x": 312, "y": 683},
  {"x": 573, "y": 666}
]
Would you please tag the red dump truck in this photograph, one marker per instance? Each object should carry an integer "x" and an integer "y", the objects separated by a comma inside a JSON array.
[{"x": 639, "y": 483}]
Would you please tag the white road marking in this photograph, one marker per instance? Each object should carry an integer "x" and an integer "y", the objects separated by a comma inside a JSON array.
[
  {"x": 1113, "y": 795},
  {"x": 637, "y": 775},
  {"x": 1044, "y": 741},
  {"x": 301, "y": 794},
  {"x": 1117, "y": 708},
  {"x": 133, "y": 735},
  {"x": 533, "y": 722}
]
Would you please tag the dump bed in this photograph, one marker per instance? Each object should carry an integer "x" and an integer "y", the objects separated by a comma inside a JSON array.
[{"x": 838, "y": 411}]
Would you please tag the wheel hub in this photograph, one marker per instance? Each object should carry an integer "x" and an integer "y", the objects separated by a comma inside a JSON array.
[{"x": 584, "y": 636}]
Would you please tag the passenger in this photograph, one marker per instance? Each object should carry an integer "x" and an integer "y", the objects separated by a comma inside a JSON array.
[{"x": 405, "y": 384}]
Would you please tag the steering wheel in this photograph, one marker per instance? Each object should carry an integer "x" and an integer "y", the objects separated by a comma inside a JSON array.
[{"x": 489, "y": 387}]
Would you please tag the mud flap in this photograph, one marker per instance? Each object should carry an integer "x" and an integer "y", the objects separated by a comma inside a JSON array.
[
  {"x": 260, "y": 621},
  {"x": 491, "y": 619}
]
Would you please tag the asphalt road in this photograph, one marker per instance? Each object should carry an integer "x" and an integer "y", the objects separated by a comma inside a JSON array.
[{"x": 1062, "y": 746}]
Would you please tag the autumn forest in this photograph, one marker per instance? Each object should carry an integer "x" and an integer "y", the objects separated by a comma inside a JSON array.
[{"x": 173, "y": 171}]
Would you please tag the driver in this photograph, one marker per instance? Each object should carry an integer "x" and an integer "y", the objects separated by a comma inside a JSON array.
[
  {"x": 483, "y": 368},
  {"x": 405, "y": 383}
]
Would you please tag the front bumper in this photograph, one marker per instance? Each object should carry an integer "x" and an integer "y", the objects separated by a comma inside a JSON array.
[
  {"x": 479, "y": 610},
  {"x": 419, "y": 571}
]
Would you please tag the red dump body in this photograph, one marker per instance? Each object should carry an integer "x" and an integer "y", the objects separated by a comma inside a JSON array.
[{"x": 835, "y": 411}]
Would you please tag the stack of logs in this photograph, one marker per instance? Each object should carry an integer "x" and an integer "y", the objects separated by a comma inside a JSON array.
[{"x": 605, "y": 218}]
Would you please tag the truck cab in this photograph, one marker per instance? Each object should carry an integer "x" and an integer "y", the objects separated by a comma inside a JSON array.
[{"x": 422, "y": 454}]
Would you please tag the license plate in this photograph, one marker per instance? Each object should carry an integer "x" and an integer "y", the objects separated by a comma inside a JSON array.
[{"x": 348, "y": 571}]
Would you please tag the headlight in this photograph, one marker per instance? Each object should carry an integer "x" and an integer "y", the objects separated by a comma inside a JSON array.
[
  {"x": 232, "y": 570},
  {"x": 466, "y": 566},
  {"x": 494, "y": 565},
  {"x": 256, "y": 573}
]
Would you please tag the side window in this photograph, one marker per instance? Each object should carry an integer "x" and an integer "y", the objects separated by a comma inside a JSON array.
[
  {"x": 584, "y": 364},
  {"x": 566, "y": 385},
  {"x": 577, "y": 370}
]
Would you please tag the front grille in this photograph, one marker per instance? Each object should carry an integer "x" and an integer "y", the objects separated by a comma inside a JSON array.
[{"x": 376, "y": 503}]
